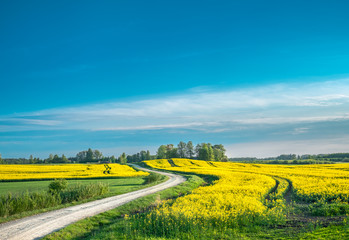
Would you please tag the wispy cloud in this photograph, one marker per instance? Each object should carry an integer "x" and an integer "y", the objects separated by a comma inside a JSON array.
[
  {"x": 273, "y": 104},
  {"x": 28, "y": 121},
  {"x": 300, "y": 130},
  {"x": 153, "y": 127}
]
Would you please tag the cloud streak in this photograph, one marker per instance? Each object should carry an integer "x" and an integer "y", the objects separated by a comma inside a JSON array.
[{"x": 273, "y": 104}]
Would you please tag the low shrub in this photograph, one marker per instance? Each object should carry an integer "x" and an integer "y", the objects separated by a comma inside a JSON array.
[
  {"x": 153, "y": 177},
  {"x": 80, "y": 192},
  {"x": 57, "y": 186}
]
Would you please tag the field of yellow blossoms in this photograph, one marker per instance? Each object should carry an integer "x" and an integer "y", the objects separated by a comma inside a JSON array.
[
  {"x": 26, "y": 172},
  {"x": 243, "y": 194},
  {"x": 310, "y": 182}
]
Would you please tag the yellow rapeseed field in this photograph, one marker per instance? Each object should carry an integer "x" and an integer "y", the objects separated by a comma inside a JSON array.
[
  {"x": 236, "y": 198},
  {"x": 247, "y": 193},
  {"x": 23, "y": 172},
  {"x": 328, "y": 181}
]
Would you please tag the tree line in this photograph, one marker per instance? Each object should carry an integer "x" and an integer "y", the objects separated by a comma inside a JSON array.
[
  {"x": 202, "y": 151},
  {"x": 332, "y": 157},
  {"x": 87, "y": 156}
]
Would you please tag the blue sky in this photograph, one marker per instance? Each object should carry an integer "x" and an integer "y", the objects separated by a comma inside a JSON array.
[{"x": 261, "y": 77}]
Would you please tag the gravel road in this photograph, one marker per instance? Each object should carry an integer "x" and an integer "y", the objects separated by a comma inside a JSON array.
[{"x": 37, "y": 226}]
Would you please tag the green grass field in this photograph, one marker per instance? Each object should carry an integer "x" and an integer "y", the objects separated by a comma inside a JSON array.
[{"x": 116, "y": 186}]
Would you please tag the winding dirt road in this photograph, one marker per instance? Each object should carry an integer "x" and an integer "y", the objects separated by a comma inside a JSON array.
[{"x": 37, "y": 226}]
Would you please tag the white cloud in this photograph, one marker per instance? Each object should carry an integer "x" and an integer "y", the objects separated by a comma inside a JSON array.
[
  {"x": 300, "y": 130},
  {"x": 273, "y": 104},
  {"x": 28, "y": 121},
  {"x": 151, "y": 127}
]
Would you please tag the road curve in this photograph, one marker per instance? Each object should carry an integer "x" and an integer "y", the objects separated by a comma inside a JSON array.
[{"x": 37, "y": 226}]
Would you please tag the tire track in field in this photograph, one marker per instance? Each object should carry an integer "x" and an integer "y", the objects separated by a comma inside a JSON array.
[
  {"x": 288, "y": 194},
  {"x": 273, "y": 189},
  {"x": 37, "y": 226}
]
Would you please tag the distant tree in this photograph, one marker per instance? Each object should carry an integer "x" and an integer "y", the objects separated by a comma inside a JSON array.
[
  {"x": 129, "y": 158},
  {"x": 203, "y": 152},
  {"x": 89, "y": 155},
  {"x": 31, "y": 159},
  {"x": 162, "y": 152},
  {"x": 142, "y": 155},
  {"x": 97, "y": 155},
  {"x": 56, "y": 159},
  {"x": 1, "y": 160},
  {"x": 123, "y": 158},
  {"x": 210, "y": 156},
  {"x": 197, "y": 150},
  {"x": 169, "y": 149},
  {"x": 112, "y": 159},
  {"x": 190, "y": 150},
  {"x": 219, "y": 153},
  {"x": 181, "y": 149},
  {"x": 81, "y": 156},
  {"x": 64, "y": 159},
  {"x": 147, "y": 156}
]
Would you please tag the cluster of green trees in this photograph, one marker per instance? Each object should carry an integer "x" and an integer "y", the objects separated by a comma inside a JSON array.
[
  {"x": 92, "y": 156},
  {"x": 55, "y": 159},
  {"x": 203, "y": 151},
  {"x": 138, "y": 157}
]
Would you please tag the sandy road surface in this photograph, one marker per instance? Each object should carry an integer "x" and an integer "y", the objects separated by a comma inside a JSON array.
[{"x": 36, "y": 227}]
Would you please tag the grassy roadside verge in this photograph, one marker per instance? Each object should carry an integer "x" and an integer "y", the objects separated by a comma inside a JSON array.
[
  {"x": 111, "y": 221},
  {"x": 117, "y": 186}
]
